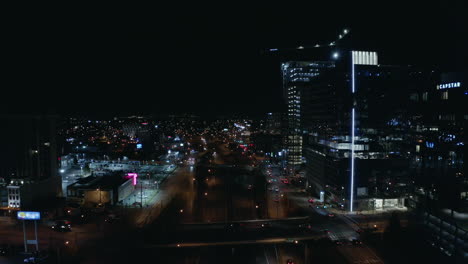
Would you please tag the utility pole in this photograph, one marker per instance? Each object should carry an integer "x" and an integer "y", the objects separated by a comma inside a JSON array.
[
  {"x": 277, "y": 209},
  {"x": 35, "y": 233},
  {"x": 141, "y": 193},
  {"x": 25, "y": 241}
]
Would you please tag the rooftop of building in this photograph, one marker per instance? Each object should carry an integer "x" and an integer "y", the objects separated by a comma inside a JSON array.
[{"x": 99, "y": 182}]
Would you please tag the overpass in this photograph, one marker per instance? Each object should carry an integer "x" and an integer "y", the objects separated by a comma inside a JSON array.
[{"x": 261, "y": 231}]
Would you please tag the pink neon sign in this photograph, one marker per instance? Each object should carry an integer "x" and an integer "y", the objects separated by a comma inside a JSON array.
[{"x": 134, "y": 176}]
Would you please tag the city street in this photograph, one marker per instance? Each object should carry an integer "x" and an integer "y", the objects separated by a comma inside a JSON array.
[{"x": 207, "y": 200}]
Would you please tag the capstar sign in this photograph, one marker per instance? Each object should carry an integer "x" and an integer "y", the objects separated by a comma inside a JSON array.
[{"x": 448, "y": 85}]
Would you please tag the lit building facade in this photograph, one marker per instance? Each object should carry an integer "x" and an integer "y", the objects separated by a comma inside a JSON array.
[
  {"x": 354, "y": 119},
  {"x": 439, "y": 115},
  {"x": 297, "y": 76}
]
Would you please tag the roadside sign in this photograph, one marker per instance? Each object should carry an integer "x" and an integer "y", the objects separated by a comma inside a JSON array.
[{"x": 25, "y": 215}]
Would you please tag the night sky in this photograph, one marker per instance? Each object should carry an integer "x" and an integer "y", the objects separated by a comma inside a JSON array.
[{"x": 202, "y": 59}]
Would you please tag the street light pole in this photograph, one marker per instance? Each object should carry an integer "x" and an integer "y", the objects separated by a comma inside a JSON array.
[
  {"x": 24, "y": 234},
  {"x": 141, "y": 193},
  {"x": 35, "y": 233},
  {"x": 100, "y": 198},
  {"x": 277, "y": 209}
]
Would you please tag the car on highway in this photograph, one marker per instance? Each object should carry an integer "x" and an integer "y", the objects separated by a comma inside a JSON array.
[
  {"x": 233, "y": 227},
  {"x": 311, "y": 200},
  {"x": 289, "y": 261},
  {"x": 62, "y": 226},
  {"x": 331, "y": 215},
  {"x": 306, "y": 227},
  {"x": 357, "y": 242},
  {"x": 342, "y": 242},
  {"x": 110, "y": 218},
  {"x": 276, "y": 189}
]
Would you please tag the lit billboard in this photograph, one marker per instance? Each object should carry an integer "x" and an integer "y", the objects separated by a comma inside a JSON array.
[{"x": 24, "y": 215}]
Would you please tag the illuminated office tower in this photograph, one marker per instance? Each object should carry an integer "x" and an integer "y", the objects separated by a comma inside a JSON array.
[
  {"x": 353, "y": 128},
  {"x": 297, "y": 77}
]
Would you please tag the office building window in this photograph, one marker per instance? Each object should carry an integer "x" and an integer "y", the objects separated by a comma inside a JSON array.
[
  {"x": 424, "y": 96},
  {"x": 444, "y": 95}
]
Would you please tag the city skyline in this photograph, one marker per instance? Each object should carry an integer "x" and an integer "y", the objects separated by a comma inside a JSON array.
[
  {"x": 208, "y": 133},
  {"x": 195, "y": 60}
]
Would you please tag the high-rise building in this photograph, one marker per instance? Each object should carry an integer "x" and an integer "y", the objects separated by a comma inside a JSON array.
[
  {"x": 440, "y": 117},
  {"x": 28, "y": 160},
  {"x": 274, "y": 123},
  {"x": 349, "y": 118},
  {"x": 377, "y": 136},
  {"x": 297, "y": 76}
]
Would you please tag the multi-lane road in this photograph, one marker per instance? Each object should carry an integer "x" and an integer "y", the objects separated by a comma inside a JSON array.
[
  {"x": 223, "y": 191},
  {"x": 220, "y": 190}
]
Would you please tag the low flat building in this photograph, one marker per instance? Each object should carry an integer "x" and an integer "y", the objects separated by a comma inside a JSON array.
[{"x": 94, "y": 190}]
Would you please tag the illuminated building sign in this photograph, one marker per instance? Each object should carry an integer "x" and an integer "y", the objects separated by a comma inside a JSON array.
[
  {"x": 139, "y": 146},
  {"x": 134, "y": 177},
  {"x": 448, "y": 85},
  {"x": 24, "y": 215}
]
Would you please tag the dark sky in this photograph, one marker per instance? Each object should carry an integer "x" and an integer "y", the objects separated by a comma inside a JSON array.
[{"x": 201, "y": 58}]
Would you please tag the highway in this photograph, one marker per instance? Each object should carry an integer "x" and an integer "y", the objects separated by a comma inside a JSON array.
[
  {"x": 189, "y": 221},
  {"x": 222, "y": 193}
]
